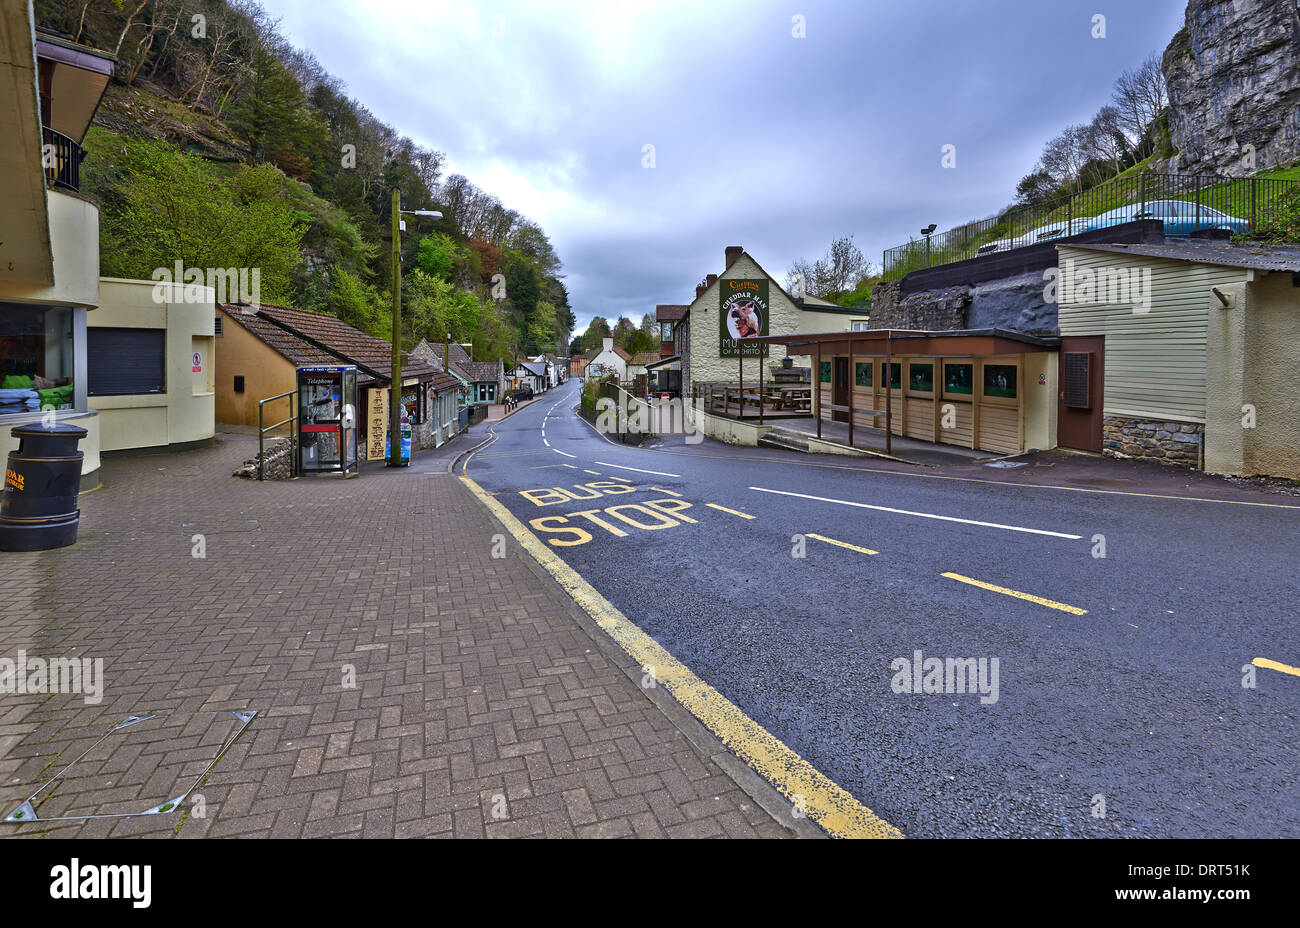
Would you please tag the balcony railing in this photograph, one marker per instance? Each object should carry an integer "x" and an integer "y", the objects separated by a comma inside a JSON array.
[{"x": 61, "y": 158}]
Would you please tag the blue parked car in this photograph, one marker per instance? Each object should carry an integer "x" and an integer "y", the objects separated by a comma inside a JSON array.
[{"x": 1179, "y": 217}]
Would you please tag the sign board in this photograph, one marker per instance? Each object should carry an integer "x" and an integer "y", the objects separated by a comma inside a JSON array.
[
  {"x": 406, "y": 440},
  {"x": 196, "y": 362},
  {"x": 743, "y": 306},
  {"x": 376, "y": 423}
]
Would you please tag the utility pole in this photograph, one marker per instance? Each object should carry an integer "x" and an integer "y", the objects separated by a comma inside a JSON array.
[
  {"x": 395, "y": 413},
  {"x": 395, "y": 409}
]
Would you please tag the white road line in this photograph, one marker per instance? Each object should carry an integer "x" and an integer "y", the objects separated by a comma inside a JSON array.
[
  {"x": 566, "y": 454},
  {"x": 657, "y": 473},
  {"x": 922, "y": 515},
  {"x": 546, "y": 443}
]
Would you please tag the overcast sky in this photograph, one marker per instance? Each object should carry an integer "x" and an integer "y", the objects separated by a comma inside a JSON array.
[{"x": 760, "y": 139}]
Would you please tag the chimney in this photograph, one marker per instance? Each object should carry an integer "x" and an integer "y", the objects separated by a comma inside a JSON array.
[
  {"x": 607, "y": 343},
  {"x": 732, "y": 253},
  {"x": 699, "y": 290},
  {"x": 710, "y": 281}
]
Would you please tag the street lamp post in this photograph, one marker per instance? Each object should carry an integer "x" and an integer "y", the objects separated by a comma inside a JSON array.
[
  {"x": 927, "y": 232},
  {"x": 395, "y": 405}
]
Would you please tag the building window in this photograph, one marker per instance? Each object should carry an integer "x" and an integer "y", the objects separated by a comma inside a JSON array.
[
  {"x": 239, "y": 383},
  {"x": 859, "y": 325},
  {"x": 1000, "y": 381},
  {"x": 825, "y": 372},
  {"x": 862, "y": 376},
  {"x": 36, "y": 358},
  {"x": 665, "y": 331},
  {"x": 125, "y": 362},
  {"x": 958, "y": 379},
  {"x": 411, "y": 397}
]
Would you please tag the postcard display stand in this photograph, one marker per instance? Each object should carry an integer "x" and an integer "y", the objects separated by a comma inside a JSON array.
[{"x": 327, "y": 420}]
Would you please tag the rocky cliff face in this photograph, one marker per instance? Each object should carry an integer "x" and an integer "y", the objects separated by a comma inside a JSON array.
[{"x": 1234, "y": 81}]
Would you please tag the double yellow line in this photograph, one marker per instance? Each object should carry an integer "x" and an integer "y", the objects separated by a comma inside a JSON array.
[{"x": 820, "y": 798}]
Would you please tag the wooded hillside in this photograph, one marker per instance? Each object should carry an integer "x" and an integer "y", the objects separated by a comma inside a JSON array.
[{"x": 220, "y": 145}]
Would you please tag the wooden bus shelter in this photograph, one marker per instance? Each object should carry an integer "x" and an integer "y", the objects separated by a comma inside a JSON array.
[{"x": 961, "y": 387}]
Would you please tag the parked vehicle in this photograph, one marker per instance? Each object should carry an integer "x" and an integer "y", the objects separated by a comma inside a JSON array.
[{"x": 1179, "y": 216}]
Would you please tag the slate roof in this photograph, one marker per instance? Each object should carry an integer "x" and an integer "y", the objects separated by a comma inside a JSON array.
[
  {"x": 473, "y": 371},
  {"x": 288, "y": 346},
  {"x": 669, "y": 312},
  {"x": 485, "y": 370},
  {"x": 594, "y": 352},
  {"x": 331, "y": 341},
  {"x": 642, "y": 358},
  {"x": 1254, "y": 257}
]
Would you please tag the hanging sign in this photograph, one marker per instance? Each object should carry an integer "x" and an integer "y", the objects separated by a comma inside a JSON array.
[{"x": 743, "y": 312}]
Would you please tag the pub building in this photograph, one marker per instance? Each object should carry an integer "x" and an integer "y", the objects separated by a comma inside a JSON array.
[{"x": 752, "y": 354}]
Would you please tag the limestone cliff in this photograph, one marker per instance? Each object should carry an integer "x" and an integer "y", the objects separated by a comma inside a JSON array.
[{"x": 1234, "y": 81}]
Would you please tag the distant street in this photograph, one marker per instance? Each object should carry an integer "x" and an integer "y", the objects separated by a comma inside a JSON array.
[{"x": 791, "y": 582}]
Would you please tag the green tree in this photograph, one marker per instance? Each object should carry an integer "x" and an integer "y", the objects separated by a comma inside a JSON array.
[
  {"x": 435, "y": 308},
  {"x": 175, "y": 207},
  {"x": 436, "y": 255},
  {"x": 359, "y": 305},
  {"x": 541, "y": 327}
]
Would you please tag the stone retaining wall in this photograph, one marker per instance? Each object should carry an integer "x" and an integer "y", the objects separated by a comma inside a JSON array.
[
  {"x": 1154, "y": 439},
  {"x": 279, "y": 461}
]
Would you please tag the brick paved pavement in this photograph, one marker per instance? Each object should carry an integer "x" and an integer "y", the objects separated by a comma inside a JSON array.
[{"x": 474, "y": 678}]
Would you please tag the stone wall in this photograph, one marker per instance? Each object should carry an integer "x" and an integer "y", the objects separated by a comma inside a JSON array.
[
  {"x": 279, "y": 461},
  {"x": 930, "y": 310},
  {"x": 1156, "y": 440},
  {"x": 1015, "y": 303},
  {"x": 1233, "y": 73}
]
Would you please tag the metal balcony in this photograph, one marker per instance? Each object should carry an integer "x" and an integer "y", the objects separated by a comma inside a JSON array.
[{"x": 61, "y": 158}]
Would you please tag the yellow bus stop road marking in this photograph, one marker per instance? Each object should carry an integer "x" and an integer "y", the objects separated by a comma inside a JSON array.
[
  {"x": 743, "y": 515},
  {"x": 1049, "y": 603},
  {"x": 841, "y": 544},
  {"x": 1274, "y": 665},
  {"x": 826, "y": 802}
]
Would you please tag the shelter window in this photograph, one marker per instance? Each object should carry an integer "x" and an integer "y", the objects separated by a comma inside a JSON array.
[{"x": 1000, "y": 381}]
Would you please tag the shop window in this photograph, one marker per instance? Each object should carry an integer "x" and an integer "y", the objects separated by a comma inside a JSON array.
[
  {"x": 1000, "y": 381},
  {"x": 958, "y": 379},
  {"x": 862, "y": 373},
  {"x": 411, "y": 400},
  {"x": 123, "y": 362},
  {"x": 920, "y": 378},
  {"x": 895, "y": 375},
  {"x": 36, "y": 358},
  {"x": 825, "y": 372}
]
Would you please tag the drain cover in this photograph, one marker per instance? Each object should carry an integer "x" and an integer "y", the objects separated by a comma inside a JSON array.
[{"x": 26, "y": 811}]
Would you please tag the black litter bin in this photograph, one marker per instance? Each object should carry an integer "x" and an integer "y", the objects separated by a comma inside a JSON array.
[{"x": 42, "y": 477}]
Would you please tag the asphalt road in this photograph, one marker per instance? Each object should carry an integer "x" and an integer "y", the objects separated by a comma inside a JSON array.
[{"x": 1119, "y": 689}]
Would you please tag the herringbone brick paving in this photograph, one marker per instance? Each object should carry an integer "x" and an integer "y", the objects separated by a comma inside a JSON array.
[{"x": 480, "y": 707}]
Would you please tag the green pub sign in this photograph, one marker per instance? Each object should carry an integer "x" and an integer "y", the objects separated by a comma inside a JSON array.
[{"x": 744, "y": 308}]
